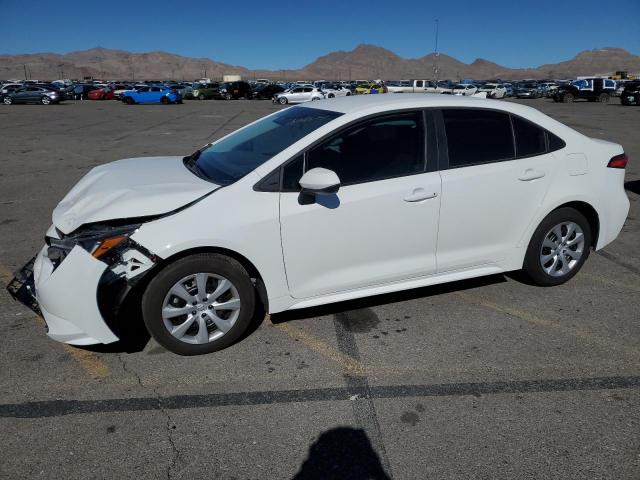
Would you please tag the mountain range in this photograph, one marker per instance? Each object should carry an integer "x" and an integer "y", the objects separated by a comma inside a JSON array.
[{"x": 363, "y": 62}]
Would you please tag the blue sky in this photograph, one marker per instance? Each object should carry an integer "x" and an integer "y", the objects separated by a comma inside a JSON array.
[{"x": 287, "y": 35}]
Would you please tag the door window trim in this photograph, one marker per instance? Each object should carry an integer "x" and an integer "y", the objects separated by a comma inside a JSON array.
[
  {"x": 429, "y": 154},
  {"x": 441, "y": 135}
]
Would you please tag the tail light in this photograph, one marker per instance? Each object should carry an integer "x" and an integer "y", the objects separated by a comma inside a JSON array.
[{"x": 619, "y": 161}]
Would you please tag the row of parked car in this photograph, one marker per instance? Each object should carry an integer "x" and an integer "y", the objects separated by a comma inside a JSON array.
[{"x": 591, "y": 89}]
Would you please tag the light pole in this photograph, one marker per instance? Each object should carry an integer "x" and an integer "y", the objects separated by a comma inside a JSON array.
[{"x": 435, "y": 60}]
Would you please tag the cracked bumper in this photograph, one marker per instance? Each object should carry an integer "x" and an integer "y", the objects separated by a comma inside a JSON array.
[{"x": 67, "y": 297}]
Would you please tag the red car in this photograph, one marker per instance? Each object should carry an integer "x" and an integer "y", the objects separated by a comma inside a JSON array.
[{"x": 100, "y": 94}]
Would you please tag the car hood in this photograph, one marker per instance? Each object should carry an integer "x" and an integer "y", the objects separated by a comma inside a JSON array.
[{"x": 134, "y": 187}]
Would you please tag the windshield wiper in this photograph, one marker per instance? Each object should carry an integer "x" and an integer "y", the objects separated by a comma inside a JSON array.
[{"x": 190, "y": 162}]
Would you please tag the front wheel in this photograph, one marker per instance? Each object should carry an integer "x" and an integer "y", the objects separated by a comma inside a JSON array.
[
  {"x": 8, "y": 100},
  {"x": 604, "y": 98},
  {"x": 201, "y": 97},
  {"x": 45, "y": 100},
  {"x": 164, "y": 101},
  {"x": 227, "y": 96},
  {"x": 283, "y": 100},
  {"x": 567, "y": 98},
  {"x": 559, "y": 247},
  {"x": 199, "y": 304}
]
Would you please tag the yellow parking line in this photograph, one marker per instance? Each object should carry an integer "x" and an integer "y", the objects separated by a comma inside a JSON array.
[
  {"x": 5, "y": 275},
  {"x": 609, "y": 282},
  {"x": 536, "y": 320},
  {"x": 89, "y": 362},
  {"x": 349, "y": 365}
]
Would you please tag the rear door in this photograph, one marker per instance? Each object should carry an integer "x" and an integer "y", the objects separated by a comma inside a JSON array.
[{"x": 494, "y": 184}]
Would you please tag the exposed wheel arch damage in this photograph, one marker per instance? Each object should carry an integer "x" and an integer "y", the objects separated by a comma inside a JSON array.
[{"x": 120, "y": 304}]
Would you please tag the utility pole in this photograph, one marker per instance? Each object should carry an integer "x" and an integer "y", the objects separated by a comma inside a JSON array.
[
  {"x": 25, "y": 71},
  {"x": 435, "y": 60}
]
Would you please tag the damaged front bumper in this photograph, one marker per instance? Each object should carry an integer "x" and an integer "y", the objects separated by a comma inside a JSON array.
[{"x": 66, "y": 293}]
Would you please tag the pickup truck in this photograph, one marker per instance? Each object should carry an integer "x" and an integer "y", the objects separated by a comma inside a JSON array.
[{"x": 414, "y": 86}]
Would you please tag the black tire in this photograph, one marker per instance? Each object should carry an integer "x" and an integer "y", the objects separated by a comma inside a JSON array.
[
  {"x": 283, "y": 100},
  {"x": 7, "y": 100},
  {"x": 44, "y": 100},
  {"x": 604, "y": 97},
  {"x": 128, "y": 100},
  {"x": 228, "y": 96},
  {"x": 165, "y": 101},
  {"x": 567, "y": 98},
  {"x": 532, "y": 264},
  {"x": 156, "y": 291},
  {"x": 201, "y": 96}
]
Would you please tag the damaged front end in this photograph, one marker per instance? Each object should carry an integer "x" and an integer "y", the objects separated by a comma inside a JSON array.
[{"x": 79, "y": 281}]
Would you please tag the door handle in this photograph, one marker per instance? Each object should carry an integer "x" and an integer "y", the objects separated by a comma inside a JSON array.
[
  {"x": 419, "y": 194},
  {"x": 530, "y": 174}
]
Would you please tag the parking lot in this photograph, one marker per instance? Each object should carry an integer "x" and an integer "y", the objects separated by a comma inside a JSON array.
[{"x": 489, "y": 378}]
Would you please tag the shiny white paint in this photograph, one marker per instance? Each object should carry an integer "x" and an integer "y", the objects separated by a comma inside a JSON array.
[
  {"x": 146, "y": 186},
  {"x": 67, "y": 298},
  {"x": 368, "y": 238},
  {"x": 319, "y": 179}
]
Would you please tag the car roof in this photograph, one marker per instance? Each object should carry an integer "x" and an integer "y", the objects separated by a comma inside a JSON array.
[{"x": 361, "y": 105}]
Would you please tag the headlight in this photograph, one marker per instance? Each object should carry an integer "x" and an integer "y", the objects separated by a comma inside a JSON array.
[{"x": 100, "y": 240}]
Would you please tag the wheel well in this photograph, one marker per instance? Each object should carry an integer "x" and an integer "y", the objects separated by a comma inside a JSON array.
[
  {"x": 591, "y": 215},
  {"x": 242, "y": 260}
]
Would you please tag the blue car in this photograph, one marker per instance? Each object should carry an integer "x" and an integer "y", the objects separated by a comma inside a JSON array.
[{"x": 151, "y": 94}]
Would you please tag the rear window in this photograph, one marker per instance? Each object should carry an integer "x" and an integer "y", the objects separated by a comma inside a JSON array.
[
  {"x": 477, "y": 136},
  {"x": 530, "y": 139}
]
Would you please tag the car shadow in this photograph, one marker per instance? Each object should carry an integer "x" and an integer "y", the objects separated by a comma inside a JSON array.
[
  {"x": 342, "y": 453},
  {"x": 633, "y": 186},
  {"x": 386, "y": 298},
  {"x": 134, "y": 336}
]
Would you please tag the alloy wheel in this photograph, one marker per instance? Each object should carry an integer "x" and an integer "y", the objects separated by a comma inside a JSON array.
[
  {"x": 562, "y": 249},
  {"x": 201, "y": 308}
]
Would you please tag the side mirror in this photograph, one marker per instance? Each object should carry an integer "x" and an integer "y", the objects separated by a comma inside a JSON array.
[{"x": 320, "y": 181}]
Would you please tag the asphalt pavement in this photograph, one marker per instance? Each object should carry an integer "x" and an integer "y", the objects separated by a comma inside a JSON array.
[{"x": 490, "y": 378}]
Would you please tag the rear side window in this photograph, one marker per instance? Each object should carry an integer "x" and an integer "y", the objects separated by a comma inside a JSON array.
[
  {"x": 477, "y": 136},
  {"x": 555, "y": 142},
  {"x": 530, "y": 139}
]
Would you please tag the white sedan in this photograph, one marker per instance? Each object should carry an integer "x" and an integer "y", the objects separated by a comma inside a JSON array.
[
  {"x": 336, "y": 91},
  {"x": 493, "y": 90},
  {"x": 298, "y": 95},
  {"x": 464, "y": 89},
  {"x": 325, "y": 202}
]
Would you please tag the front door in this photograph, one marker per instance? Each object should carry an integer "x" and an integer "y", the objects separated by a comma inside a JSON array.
[{"x": 380, "y": 227}]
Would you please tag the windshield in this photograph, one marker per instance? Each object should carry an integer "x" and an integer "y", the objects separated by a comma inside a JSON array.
[{"x": 232, "y": 158}]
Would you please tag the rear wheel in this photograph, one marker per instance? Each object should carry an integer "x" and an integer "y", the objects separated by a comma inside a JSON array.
[
  {"x": 559, "y": 247},
  {"x": 8, "y": 100},
  {"x": 567, "y": 98},
  {"x": 199, "y": 304},
  {"x": 604, "y": 98},
  {"x": 201, "y": 97},
  {"x": 227, "y": 96}
]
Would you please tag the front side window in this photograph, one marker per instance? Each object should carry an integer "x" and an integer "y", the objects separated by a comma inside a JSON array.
[
  {"x": 230, "y": 159},
  {"x": 386, "y": 147},
  {"x": 477, "y": 136}
]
